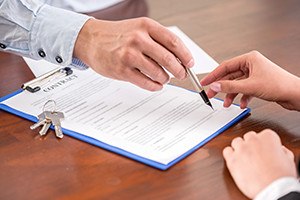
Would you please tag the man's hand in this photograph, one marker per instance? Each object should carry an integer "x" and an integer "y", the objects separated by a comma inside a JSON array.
[{"x": 133, "y": 50}]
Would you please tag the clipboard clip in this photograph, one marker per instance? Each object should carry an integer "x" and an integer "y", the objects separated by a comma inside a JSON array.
[{"x": 35, "y": 84}]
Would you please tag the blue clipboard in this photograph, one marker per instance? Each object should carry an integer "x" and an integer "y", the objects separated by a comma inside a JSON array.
[{"x": 116, "y": 149}]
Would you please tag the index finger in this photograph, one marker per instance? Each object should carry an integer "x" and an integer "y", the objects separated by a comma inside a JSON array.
[
  {"x": 172, "y": 43},
  {"x": 230, "y": 66}
]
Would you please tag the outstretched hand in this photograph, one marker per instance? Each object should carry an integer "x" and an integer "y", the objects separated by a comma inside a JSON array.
[{"x": 253, "y": 75}]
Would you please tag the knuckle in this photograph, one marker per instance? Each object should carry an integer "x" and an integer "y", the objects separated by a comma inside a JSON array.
[
  {"x": 127, "y": 57},
  {"x": 227, "y": 154},
  {"x": 174, "y": 41},
  {"x": 250, "y": 135},
  {"x": 226, "y": 150},
  {"x": 255, "y": 54},
  {"x": 266, "y": 131},
  {"x": 179, "y": 72},
  {"x": 168, "y": 59},
  {"x": 147, "y": 20},
  {"x": 149, "y": 85},
  {"x": 135, "y": 39},
  {"x": 235, "y": 141},
  {"x": 157, "y": 73},
  {"x": 144, "y": 21},
  {"x": 269, "y": 133}
]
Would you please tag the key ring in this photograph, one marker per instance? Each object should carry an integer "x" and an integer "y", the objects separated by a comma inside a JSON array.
[{"x": 48, "y": 102}]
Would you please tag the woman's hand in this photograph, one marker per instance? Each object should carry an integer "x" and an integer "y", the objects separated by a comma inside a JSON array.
[
  {"x": 258, "y": 159},
  {"x": 253, "y": 75}
]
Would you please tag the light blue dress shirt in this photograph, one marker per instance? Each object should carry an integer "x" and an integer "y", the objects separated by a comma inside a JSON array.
[
  {"x": 36, "y": 30},
  {"x": 82, "y": 6}
]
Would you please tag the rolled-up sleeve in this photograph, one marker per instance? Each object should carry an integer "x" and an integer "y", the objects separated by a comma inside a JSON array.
[{"x": 39, "y": 31}]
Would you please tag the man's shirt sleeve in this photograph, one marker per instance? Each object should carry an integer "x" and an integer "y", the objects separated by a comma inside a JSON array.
[{"x": 39, "y": 31}]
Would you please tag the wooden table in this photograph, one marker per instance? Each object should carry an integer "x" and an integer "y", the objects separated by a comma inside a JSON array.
[{"x": 35, "y": 168}]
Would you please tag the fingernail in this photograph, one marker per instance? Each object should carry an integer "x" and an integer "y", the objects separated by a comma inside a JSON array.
[
  {"x": 215, "y": 87},
  {"x": 191, "y": 63}
]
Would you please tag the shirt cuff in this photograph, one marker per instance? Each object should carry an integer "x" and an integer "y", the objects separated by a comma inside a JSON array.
[
  {"x": 54, "y": 33},
  {"x": 279, "y": 188},
  {"x": 78, "y": 64}
]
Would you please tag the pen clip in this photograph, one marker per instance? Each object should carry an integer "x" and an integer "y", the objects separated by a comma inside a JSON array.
[{"x": 35, "y": 84}]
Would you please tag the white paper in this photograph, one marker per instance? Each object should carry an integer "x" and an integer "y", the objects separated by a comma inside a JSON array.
[
  {"x": 203, "y": 62},
  {"x": 40, "y": 67},
  {"x": 160, "y": 126}
]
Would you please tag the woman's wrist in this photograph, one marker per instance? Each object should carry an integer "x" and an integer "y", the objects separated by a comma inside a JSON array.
[{"x": 294, "y": 93}]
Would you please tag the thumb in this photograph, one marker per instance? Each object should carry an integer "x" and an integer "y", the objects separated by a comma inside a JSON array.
[{"x": 230, "y": 86}]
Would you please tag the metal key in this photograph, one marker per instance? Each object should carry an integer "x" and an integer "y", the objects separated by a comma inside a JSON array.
[
  {"x": 45, "y": 128},
  {"x": 42, "y": 121},
  {"x": 55, "y": 118}
]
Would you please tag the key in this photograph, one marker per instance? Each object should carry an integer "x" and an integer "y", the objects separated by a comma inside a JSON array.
[
  {"x": 45, "y": 128},
  {"x": 42, "y": 121},
  {"x": 55, "y": 118}
]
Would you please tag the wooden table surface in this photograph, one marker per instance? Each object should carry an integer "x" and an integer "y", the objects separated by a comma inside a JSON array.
[{"x": 46, "y": 168}]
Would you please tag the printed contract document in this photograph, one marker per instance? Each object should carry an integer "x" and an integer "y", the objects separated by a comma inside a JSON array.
[{"x": 156, "y": 128}]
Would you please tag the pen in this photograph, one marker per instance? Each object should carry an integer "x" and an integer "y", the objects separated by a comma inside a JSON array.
[{"x": 198, "y": 86}]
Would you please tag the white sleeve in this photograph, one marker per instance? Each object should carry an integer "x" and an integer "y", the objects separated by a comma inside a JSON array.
[
  {"x": 39, "y": 31},
  {"x": 279, "y": 188}
]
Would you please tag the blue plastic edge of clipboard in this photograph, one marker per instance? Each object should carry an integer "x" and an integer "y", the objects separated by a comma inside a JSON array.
[{"x": 118, "y": 150}]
